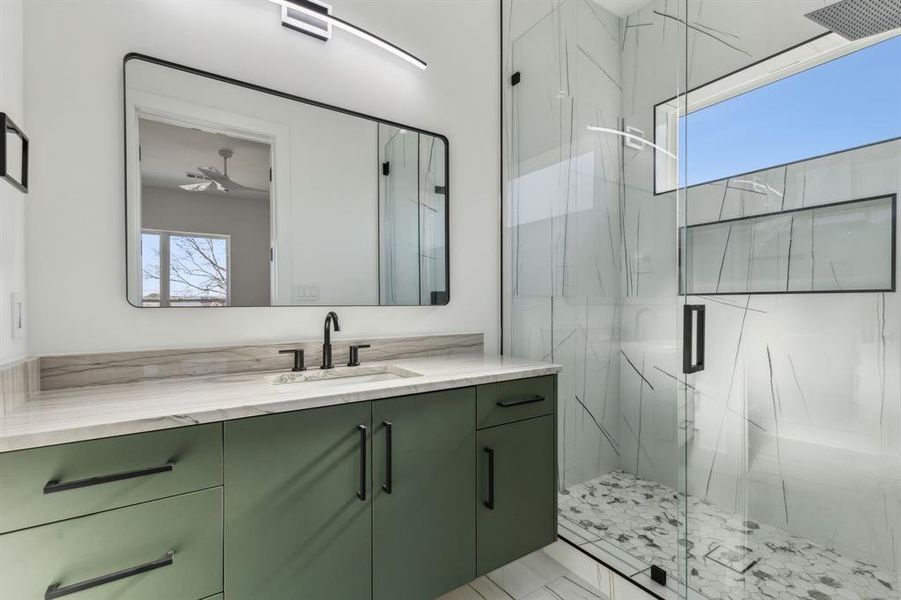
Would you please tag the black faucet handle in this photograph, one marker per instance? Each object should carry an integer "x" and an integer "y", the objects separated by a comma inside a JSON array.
[
  {"x": 353, "y": 360},
  {"x": 298, "y": 359}
]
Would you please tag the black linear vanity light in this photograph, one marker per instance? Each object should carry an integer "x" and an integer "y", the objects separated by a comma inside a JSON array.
[{"x": 314, "y": 18}]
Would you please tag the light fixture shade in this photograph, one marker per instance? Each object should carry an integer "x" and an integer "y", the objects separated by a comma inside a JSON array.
[
  {"x": 314, "y": 14},
  {"x": 304, "y": 23},
  {"x": 635, "y": 139}
]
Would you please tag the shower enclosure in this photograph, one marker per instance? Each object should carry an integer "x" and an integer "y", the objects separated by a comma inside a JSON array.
[{"x": 699, "y": 224}]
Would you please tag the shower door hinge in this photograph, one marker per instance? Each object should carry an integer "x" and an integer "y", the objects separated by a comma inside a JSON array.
[
  {"x": 386, "y": 168},
  {"x": 441, "y": 189},
  {"x": 658, "y": 575},
  {"x": 514, "y": 79}
]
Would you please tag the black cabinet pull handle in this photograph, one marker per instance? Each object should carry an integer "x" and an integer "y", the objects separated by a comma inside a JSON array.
[
  {"x": 489, "y": 503},
  {"x": 689, "y": 365},
  {"x": 362, "y": 493},
  {"x": 54, "y": 486},
  {"x": 519, "y": 401},
  {"x": 387, "y": 485},
  {"x": 55, "y": 591}
]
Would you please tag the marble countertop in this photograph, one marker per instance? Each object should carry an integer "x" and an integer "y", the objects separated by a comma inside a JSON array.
[{"x": 76, "y": 414}]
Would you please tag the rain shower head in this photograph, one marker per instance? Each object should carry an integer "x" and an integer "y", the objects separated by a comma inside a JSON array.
[{"x": 856, "y": 19}]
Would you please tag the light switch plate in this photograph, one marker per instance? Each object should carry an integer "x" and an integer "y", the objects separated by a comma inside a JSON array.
[
  {"x": 17, "y": 315},
  {"x": 306, "y": 292}
]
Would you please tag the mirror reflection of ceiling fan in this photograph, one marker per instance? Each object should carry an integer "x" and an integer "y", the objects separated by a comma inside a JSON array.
[{"x": 213, "y": 180}]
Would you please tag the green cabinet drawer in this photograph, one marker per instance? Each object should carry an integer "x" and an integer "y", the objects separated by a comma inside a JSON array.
[
  {"x": 43, "y": 485},
  {"x": 510, "y": 401},
  {"x": 169, "y": 548},
  {"x": 424, "y": 480},
  {"x": 517, "y": 503},
  {"x": 298, "y": 518}
]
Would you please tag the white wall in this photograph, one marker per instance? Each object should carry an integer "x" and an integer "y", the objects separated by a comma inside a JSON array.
[
  {"x": 328, "y": 229},
  {"x": 12, "y": 202},
  {"x": 73, "y": 89}
]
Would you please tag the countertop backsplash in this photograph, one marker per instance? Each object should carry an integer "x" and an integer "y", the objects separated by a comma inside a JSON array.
[{"x": 80, "y": 370}]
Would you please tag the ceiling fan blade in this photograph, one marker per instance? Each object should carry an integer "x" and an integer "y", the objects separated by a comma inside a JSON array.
[
  {"x": 224, "y": 183},
  {"x": 196, "y": 187},
  {"x": 214, "y": 174},
  {"x": 237, "y": 187}
]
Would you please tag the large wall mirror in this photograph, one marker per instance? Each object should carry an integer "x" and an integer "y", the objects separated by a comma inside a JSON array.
[{"x": 243, "y": 196}]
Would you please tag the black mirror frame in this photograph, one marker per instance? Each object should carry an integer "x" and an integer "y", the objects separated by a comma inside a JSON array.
[
  {"x": 8, "y": 126},
  {"x": 438, "y": 298}
]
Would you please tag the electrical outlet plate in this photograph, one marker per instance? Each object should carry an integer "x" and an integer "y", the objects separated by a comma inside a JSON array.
[
  {"x": 306, "y": 292},
  {"x": 17, "y": 315}
]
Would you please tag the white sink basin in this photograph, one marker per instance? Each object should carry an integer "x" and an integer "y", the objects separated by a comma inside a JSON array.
[{"x": 344, "y": 375}]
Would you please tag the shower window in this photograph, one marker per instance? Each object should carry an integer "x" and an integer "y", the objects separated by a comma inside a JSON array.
[{"x": 782, "y": 110}]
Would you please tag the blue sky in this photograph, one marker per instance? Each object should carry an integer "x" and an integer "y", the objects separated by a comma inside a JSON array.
[{"x": 848, "y": 102}]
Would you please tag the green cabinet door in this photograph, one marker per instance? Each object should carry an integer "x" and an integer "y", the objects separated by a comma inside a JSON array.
[
  {"x": 516, "y": 509},
  {"x": 168, "y": 549},
  {"x": 424, "y": 480},
  {"x": 296, "y": 526}
]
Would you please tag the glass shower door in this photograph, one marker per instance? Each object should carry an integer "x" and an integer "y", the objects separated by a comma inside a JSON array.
[
  {"x": 789, "y": 140},
  {"x": 590, "y": 268}
]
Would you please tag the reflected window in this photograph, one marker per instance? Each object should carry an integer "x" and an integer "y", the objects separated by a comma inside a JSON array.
[
  {"x": 185, "y": 269},
  {"x": 785, "y": 109}
]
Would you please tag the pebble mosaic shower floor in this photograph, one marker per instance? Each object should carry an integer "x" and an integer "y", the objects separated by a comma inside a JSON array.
[{"x": 635, "y": 523}]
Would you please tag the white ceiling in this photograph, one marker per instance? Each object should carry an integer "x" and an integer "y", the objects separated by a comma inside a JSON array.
[
  {"x": 623, "y": 8},
  {"x": 168, "y": 152}
]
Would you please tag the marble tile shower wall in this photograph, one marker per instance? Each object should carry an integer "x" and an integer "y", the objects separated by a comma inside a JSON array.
[
  {"x": 650, "y": 365},
  {"x": 563, "y": 228}
]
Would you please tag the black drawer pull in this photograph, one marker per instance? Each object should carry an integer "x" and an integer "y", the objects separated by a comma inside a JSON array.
[
  {"x": 362, "y": 493},
  {"x": 54, "y": 486},
  {"x": 55, "y": 591},
  {"x": 387, "y": 485},
  {"x": 489, "y": 502},
  {"x": 519, "y": 401}
]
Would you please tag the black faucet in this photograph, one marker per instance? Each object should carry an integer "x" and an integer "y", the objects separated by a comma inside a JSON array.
[{"x": 327, "y": 342}]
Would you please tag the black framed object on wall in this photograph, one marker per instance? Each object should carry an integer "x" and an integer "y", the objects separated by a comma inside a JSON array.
[{"x": 19, "y": 182}]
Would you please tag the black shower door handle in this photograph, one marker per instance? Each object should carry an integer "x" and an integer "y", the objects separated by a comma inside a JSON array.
[{"x": 693, "y": 356}]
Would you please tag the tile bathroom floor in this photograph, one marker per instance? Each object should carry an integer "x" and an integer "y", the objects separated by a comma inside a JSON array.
[
  {"x": 557, "y": 572},
  {"x": 631, "y": 523}
]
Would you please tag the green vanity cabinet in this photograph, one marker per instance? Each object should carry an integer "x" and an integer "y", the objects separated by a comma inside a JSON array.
[
  {"x": 517, "y": 500},
  {"x": 404, "y": 497},
  {"x": 424, "y": 479},
  {"x": 52, "y": 483},
  {"x": 297, "y": 505},
  {"x": 508, "y": 401},
  {"x": 166, "y": 549}
]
